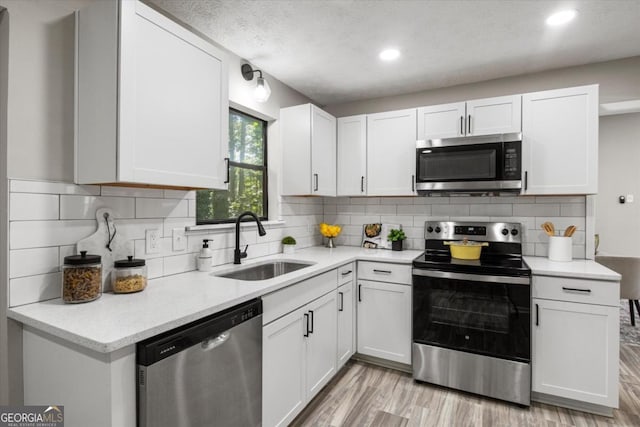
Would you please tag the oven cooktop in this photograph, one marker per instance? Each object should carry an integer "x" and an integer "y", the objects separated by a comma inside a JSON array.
[{"x": 502, "y": 257}]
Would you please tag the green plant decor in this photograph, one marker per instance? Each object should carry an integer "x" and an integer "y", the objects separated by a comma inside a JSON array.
[
  {"x": 396, "y": 235},
  {"x": 288, "y": 240}
]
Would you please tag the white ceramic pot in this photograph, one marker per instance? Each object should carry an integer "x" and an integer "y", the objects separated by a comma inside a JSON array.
[{"x": 288, "y": 249}]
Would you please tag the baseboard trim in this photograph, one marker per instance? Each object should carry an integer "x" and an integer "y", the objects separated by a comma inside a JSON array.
[
  {"x": 383, "y": 363},
  {"x": 572, "y": 404}
]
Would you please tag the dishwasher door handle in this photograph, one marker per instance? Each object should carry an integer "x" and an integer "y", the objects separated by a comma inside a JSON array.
[{"x": 211, "y": 343}]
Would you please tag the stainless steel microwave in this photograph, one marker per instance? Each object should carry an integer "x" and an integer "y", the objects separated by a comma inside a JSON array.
[{"x": 479, "y": 164}]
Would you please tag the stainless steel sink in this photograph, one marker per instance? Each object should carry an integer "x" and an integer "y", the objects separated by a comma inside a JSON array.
[{"x": 265, "y": 270}]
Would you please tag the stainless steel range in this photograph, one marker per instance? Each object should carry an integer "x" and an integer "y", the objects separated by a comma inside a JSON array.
[{"x": 471, "y": 318}]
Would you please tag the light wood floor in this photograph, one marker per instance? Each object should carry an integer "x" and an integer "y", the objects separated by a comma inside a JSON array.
[{"x": 367, "y": 395}]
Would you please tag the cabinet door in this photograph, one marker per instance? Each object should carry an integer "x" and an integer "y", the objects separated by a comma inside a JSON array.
[
  {"x": 384, "y": 320},
  {"x": 441, "y": 121},
  {"x": 494, "y": 115},
  {"x": 560, "y": 141},
  {"x": 173, "y": 103},
  {"x": 391, "y": 153},
  {"x": 352, "y": 155},
  {"x": 321, "y": 343},
  {"x": 575, "y": 351},
  {"x": 283, "y": 368},
  {"x": 346, "y": 322},
  {"x": 323, "y": 152}
]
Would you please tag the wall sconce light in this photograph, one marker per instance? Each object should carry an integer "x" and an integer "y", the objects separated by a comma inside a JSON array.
[{"x": 262, "y": 91}]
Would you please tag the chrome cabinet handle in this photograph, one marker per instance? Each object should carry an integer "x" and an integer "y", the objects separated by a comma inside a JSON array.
[
  {"x": 341, "y": 301},
  {"x": 586, "y": 291},
  {"x": 382, "y": 271},
  {"x": 315, "y": 177}
]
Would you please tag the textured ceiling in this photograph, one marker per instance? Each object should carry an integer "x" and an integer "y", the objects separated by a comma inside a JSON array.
[{"x": 328, "y": 49}]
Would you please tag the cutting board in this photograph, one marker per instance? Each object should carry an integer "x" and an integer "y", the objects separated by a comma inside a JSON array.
[{"x": 96, "y": 244}]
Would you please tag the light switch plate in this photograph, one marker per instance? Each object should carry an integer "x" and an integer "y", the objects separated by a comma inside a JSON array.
[
  {"x": 179, "y": 240},
  {"x": 629, "y": 198},
  {"x": 152, "y": 241}
]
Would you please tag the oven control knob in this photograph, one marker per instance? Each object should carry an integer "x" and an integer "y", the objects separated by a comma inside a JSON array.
[
  {"x": 514, "y": 232},
  {"x": 429, "y": 229},
  {"x": 505, "y": 231},
  {"x": 438, "y": 229}
]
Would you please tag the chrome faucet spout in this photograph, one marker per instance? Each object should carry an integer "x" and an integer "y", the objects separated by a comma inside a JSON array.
[{"x": 237, "y": 253}]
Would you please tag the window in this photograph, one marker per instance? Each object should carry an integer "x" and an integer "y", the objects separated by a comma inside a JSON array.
[{"x": 247, "y": 174}]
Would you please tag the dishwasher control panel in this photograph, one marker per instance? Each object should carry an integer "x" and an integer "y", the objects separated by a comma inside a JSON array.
[{"x": 207, "y": 329}]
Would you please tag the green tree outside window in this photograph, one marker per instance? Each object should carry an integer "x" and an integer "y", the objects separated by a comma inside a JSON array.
[{"x": 247, "y": 174}]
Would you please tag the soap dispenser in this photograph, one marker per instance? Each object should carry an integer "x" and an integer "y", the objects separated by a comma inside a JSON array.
[{"x": 205, "y": 257}]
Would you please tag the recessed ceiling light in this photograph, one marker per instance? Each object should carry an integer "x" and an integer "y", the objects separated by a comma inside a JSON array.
[
  {"x": 561, "y": 17},
  {"x": 389, "y": 54}
]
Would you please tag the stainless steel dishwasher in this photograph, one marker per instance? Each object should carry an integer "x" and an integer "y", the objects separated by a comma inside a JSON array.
[{"x": 206, "y": 373}]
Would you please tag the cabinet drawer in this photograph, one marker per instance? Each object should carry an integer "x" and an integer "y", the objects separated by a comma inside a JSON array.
[
  {"x": 285, "y": 300},
  {"x": 345, "y": 273},
  {"x": 384, "y": 272},
  {"x": 576, "y": 290}
]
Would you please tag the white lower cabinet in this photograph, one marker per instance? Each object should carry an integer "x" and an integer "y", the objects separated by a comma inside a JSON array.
[
  {"x": 346, "y": 322},
  {"x": 298, "y": 358},
  {"x": 575, "y": 340},
  {"x": 384, "y": 320}
]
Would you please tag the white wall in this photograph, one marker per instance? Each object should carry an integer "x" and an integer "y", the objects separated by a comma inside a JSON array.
[
  {"x": 619, "y": 165},
  {"x": 619, "y": 81}
]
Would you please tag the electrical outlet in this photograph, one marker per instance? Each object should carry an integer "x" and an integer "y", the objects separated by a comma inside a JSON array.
[
  {"x": 152, "y": 241},
  {"x": 179, "y": 239}
]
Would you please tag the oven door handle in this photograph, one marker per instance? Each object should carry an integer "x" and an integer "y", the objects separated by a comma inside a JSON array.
[{"x": 472, "y": 277}]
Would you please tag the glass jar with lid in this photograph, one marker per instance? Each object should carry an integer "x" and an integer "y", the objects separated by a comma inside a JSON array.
[
  {"x": 129, "y": 275},
  {"x": 81, "y": 278}
]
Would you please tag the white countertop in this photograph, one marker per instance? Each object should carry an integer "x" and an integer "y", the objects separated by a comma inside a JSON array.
[
  {"x": 578, "y": 268},
  {"x": 116, "y": 321}
]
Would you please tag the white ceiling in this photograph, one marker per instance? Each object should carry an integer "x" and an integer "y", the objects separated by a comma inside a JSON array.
[{"x": 327, "y": 49}]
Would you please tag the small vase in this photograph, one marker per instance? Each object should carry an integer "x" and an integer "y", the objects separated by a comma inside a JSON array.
[
  {"x": 288, "y": 249},
  {"x": 396, "y": 246},
  {"x": 330, "y": 243}
]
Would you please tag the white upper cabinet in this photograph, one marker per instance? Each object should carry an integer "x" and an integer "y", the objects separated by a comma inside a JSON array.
[
  {"x": 560, "y": 141},
  {"x": 391, "y": 153},
  {"x": 441, "y": 121},
  {"x": 352, "y": 156},
  {"x": 151, "y": 101},
  {"x": 472, "y": 118},
  {"x": 308, "y": 137}
]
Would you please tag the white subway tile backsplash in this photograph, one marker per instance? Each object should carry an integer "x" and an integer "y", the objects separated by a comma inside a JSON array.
[
  {"x": 26, "y": 290},
  {"x": 414, "y": 209},
  {"x": 44, "y": 187},
  {"x": 155, "y": 268},
  {"x": 170, "y": 223},
  {"x": 450, "y": 210},
  {"x": 180, "y": 194},
  {"x": 397, "y": 200},
  {"x": 192, "y": 208},
  {"x": 161, "y": 208},
  {"x": 65, "y": 251},
  {"x": 491, "y": 210},
  {"x": 380, "y": 210},
  {"x": 31, "y": 206},
  {"x": 37, "y": 234},
  {"x": 433, "y": 200},
  {"x": 136, "y": 228},
  {"x": 364, "y": 219},
  {"x": 29, "y": 262},
  {"x": 403, "y": 220},
  {"x": 536, "y": 210},
  {"x": 573, "y": 209},
  {"x": 84, "y": 207},
  {"x": 179, "y": 264},
  {"x": 131, "y": 192}
]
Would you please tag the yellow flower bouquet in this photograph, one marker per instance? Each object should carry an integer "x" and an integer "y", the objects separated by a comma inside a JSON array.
[{"x": 330, "y": 231}]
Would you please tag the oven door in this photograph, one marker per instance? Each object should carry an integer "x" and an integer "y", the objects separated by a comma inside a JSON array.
[{"x": 488, "y": 315}]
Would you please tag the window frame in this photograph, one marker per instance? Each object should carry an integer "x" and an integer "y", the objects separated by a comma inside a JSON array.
[{"x": 263, "y": 167}]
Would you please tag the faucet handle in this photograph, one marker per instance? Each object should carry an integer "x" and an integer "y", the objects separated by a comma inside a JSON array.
[{"x": 243, "y": 254}]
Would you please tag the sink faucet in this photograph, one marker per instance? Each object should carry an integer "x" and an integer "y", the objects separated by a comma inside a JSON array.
[{"x": 237, "y": 253}]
